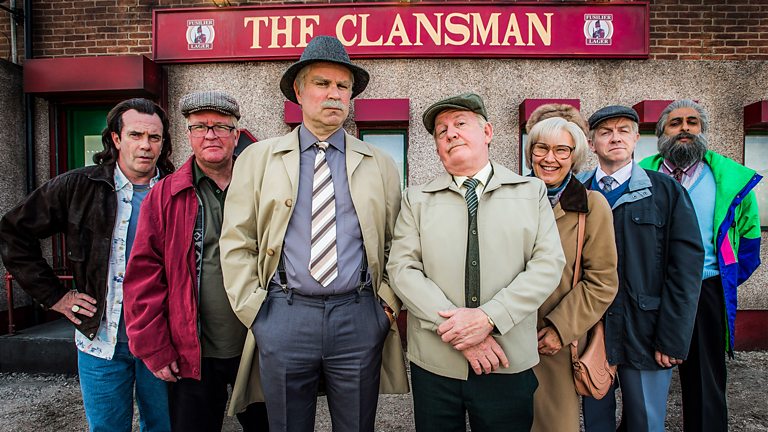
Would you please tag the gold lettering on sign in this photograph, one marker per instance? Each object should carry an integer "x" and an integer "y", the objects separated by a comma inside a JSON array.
[
  {"x": 398, "y": 30},
  {"x": 422, "y": 22},
  {"x": 340, "y": 29},
  {"x": 513, "y": 30},
  {"x": 483, "y": 31},
  {"x": 364, "y": 41},
  {"x": 457, "y": 29},
  {"x": 545, "y": 34},
  {"x": 286, "y": 31},
  {"x": 306, "y": 30},
  {"x": 255, "y": 36}
]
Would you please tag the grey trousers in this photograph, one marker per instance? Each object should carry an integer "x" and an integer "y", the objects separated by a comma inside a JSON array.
[{"x": 301, "y": 338}]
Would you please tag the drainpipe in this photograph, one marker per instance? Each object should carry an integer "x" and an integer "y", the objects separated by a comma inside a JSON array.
[
  {"x": 29, "y": 100},
  {"x": 14, "y": 49}
]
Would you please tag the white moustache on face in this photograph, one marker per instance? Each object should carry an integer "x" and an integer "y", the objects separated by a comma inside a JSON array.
[{"x": 333, "y": 104}]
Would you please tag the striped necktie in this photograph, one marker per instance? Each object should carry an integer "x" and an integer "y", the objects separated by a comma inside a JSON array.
[
  {"x": 472, "y": 264},
  {"x": 471, "y": 194},
  {"x": 323, "y": 258}
]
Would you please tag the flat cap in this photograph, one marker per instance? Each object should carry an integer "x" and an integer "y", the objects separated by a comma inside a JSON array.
[
  {"x": 610, "y": 112},
  {"x": 465, "y": 102},
  {"x": 209, "y": 101}
]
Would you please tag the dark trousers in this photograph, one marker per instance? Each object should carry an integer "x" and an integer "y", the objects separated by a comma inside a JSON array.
[
  {"x": 703, "y": 374},
  {"x": 199, "y": 405},
  {"x": 494, "y": 402},
  {"x": 302, "y": 338}
]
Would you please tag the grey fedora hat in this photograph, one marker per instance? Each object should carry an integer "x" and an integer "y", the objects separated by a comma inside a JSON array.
[{"x": 323, "y": 49}]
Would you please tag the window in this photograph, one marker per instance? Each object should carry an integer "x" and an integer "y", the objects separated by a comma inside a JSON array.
[
  {"x": 646, "y": 146},
  {"x": 756, "y": 151},
  {"x": 394, "y": 143},
  {"x": 524, "y": 170},
  {"x": 756, "y": 157},
  {"x": 384, "y": 123}
]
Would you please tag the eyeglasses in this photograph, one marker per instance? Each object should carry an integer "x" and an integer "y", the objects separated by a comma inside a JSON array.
[
  {"x": 560, "y": 151},
  {"x": 220, "y": 130}
]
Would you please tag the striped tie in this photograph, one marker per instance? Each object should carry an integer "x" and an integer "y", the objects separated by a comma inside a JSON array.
[
  {"x": 471, "y": 195},
  {"x": 322, "y": 259}
]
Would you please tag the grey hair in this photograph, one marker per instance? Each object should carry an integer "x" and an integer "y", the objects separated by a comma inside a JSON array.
[
  {"x": 682, "y": 103},
  {"x": 482, "y": 121},
  {"x": 633, "y": 127},
  {"x": 551, "y": 127},
  {"x": 302, "y": 76}
]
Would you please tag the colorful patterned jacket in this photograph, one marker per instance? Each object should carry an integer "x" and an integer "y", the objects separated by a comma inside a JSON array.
[{"x": 736, "y": 224}]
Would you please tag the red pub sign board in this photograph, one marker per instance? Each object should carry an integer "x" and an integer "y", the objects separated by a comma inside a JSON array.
[{"x": 403, "y": 30}]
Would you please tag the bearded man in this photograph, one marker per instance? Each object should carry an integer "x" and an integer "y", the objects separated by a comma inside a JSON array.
[{"x": 730, "y": 232}]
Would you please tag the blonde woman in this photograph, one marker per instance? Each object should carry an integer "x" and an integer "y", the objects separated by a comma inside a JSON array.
[{"x": 557, "y": 149}]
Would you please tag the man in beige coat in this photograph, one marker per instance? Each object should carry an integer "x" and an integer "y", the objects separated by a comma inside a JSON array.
[
  {"x": 306, "y": 324},
  {"x": 476, "y": 252}
]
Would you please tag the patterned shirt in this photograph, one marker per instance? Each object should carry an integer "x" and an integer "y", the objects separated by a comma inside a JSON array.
[{"x": 103, "y": 345}]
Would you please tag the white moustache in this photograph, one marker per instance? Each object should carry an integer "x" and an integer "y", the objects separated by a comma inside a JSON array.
[{"x": 333, "y": 104}]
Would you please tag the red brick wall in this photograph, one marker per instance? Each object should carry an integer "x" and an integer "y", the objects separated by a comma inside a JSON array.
[{"x": 680, "y": 29}]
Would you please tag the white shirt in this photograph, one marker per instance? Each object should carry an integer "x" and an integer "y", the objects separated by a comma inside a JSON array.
[
  {"x": 103, "y": 345},
  {"x": 620, "y": 176},
  {"x": 483, "y": 175}
]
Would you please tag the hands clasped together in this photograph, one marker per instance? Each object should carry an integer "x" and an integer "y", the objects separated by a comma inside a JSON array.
[{"x": 469, "y": 331}]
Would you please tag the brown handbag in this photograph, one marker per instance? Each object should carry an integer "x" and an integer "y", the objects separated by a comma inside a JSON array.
[{"x": 592, "y": 374}]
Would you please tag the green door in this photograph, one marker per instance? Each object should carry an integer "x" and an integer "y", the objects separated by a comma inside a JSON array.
[{"x": 84, "y": 127}]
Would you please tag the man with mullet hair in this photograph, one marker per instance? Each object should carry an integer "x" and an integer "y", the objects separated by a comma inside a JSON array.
[
  {"x": 729, "y": 223},
  {"x": 97, "y": 209},
  {"x": 307, "y": 228}
]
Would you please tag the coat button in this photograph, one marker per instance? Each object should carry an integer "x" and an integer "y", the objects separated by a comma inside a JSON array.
[
  {"x": 270, "y": 252},
  {"x": 288, "y": 202}
]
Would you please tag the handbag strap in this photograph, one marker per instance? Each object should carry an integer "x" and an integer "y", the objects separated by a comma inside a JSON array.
[{"x": 577, "y": 272}]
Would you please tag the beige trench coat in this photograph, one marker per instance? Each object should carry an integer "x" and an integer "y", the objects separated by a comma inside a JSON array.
[
  {"x": 259, "y": 205},
  {"x": 573, "y": 311},
  {"x": 520, "y": 265}
]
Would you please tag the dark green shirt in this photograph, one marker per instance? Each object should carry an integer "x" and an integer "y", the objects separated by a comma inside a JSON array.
[{"x": 222, "y": 334}]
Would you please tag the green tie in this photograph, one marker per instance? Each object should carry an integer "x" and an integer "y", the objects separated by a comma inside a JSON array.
[{"x": 472, "y": 266}]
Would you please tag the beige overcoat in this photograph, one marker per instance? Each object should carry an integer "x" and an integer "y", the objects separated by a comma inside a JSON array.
[
  {"x": 259, "y": 205},
  {"x": 520, "y": 265},
  {"x": 574, "y": 310}
]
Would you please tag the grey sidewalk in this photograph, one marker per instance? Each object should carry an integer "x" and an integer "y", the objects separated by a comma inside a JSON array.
[{"x": 42, "y": 403}]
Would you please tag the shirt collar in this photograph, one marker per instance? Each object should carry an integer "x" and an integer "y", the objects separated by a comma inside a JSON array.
[
  {"x": 481, "y": 175},
  {"x": 121, "y": 181},
  {"x": 621, "y": 175},
  {"x": 307, "y": 139},
  {"x": 670, "y": 167}
]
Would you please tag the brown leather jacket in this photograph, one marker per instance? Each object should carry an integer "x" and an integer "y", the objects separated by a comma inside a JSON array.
[{"x": 82, "y": 205}]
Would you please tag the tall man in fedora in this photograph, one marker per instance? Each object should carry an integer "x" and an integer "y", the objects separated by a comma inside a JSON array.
[{"x": 304, "y": 244}]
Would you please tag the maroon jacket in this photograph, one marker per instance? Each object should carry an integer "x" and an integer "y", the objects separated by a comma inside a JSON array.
[{"x": 160, "y": 286}]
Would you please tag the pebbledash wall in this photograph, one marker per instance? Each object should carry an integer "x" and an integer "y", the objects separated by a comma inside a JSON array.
[{"x": 701, "y": 49}]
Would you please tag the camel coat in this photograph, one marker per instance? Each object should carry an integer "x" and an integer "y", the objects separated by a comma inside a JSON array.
[
  {"x": 573, "y": 311},
  {"x": 259, "y": 205}
]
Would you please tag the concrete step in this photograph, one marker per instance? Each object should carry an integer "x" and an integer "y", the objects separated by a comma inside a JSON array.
[{"x": 44, "y": 348}]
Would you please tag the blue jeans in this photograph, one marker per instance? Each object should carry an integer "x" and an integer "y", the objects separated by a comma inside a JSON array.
[{"x": 108, "y": 388}]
